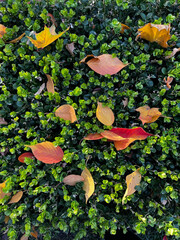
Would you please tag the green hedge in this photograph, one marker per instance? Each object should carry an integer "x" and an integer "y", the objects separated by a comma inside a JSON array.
[{"x": 48, "y": 204}]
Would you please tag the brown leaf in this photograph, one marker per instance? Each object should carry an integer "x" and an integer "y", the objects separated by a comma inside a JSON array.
[
  {"x": 168, "y": 81},
  {"x": 50, "y": 84},
  {"x": 24, "y": 237},
  {"x": 17, "y": 39},
  {"x": 89, "y": 186},
  {"x": 53, "y": 20},
  {"x": 34, "y": 233},
  {"x": 66, "y": 112},
  {"x": 104, "y": 64},
  {"x": 40, "y": 89},
  {"x": 16, "y": 197},
  {"x": 72, "y": 179},
  {"x": 2, "y": 121},
  {"x": 104, "y": 114},
  {"x": 175, "y": 50},
  {"x": 125, "y": 102},
  {"x": 70, "y": 47},
  {"x": 6, "y": 219}
]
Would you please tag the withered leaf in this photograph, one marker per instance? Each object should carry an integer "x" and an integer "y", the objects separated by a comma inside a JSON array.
[
  {"x": 72, "y": 179},
  {"x": 50, "y": 84},
  {"x": 16, "y": 197}
]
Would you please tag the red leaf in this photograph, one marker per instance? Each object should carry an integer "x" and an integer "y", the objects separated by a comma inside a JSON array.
[
  {"x": 137, "y": 133},
  {"x": 21, "y": 158},
  {"x": 165, "y": 238},
  {"x": 46, "y": 152}
]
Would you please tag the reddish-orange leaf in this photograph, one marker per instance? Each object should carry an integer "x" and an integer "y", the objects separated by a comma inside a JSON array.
[
  {"x": 72, "y": 179},
  {"x": 168, "y": 81},
  {"x": 120, "y": 145},
  {"x": 111, "y": 136},
  {"x": 148, "y": 115},
  {"x": 34, "y": 233},
  {"x": 66, "y": 112},
  {"x": 104, "y": 114},
  {"x": 155, "y": 33},
  {"x": 93, "y": 136},
  {"x": 46, "y": 152},
  {"x": 16, "y": 197},
  {"x": 2, "y": 30},
  {"x": 104, "y": 64},
  {"x": 136, "y": 133},
  {"x": 124, "y": 27},
  {"x": 50, "y": 84},
  {"x": 22, "y": 157},
  {"x": 17, "y": 39}
]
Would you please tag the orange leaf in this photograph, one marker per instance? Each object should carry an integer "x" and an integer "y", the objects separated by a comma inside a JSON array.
[
  {"x": 168, "y": 81},
  {"x": 2, "y": 30},
  {"x": 104, "y": 114},
  {"x": 66, "y": 112},
  {"x": 122, "y": 144},
  {"x": 72, "y": 179},
  {"x": 104, "y": 64},
  {"x": 155, "y": 33},
  {"x": 46, "y": 152},
  {"x": 16, "y": 197},
  {"x": 53, "y": 20},
  {"x": 17, "y": 39},
  {"x": 148, "y": 115},
  {"x": 93, "y": 136},
  {"x": 124, "y": 27},
  {"x": 34, "y": 233},
  {"x": 111, "y": 136},
  {"x": 50, "y": 84},
  {"x": 46, "y": 37},
  {"x": 22, "y": 157},
  {"x": 175, "y": 50}
]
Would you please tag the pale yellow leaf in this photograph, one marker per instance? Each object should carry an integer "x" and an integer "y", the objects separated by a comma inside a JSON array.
[
  {"x": 72, "y": 179},
  {"x": 16, "y": 197},
  {"x": 132, "y": 180},
  {"x": 89, "y": 186},
  {"x": 66, "y": 112},
  {"x": 104, "y": 114},
  {"x": 50, "y": 84}
]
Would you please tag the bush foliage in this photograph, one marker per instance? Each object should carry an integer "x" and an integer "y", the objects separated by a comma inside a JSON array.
[{"x": 47, "y": 203}]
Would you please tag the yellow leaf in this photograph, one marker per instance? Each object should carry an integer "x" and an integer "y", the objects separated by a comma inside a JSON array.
[
  {"x": 132, "y": 180},
  {"x": 104, "y": 114},
  {"x": 88, "y": 183},
  {"x": 17, "y": 39},
  {"x": 2, "y": 30},
  {"x": 2, "y": 194},
  {"x": 155, "y": 33},
  {"x": 66, "y": 112},
  {"x": 50, "y": 84},
  {"x": 16, "y": 197},
  {"x": 148, "y": 115},
  {"x": 46, "y": 37}
]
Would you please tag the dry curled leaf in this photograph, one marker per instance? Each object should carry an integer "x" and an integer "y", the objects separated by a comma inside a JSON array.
[
  {"x": 175, "y": 50},
  {"x": 70, "y": 47},
  {"x": 53, "y": 20},
  {"x": 148, "y": 115},
  {"x": 2, "y": 121},
  {"x": 46, "y": 37},
  {"x": 66, "y": 112},
  {"x": 104, "y": 64},
  {"x": 168, "y": 81},
  {"x": 88, "y": 186},
  {"x": 34, "y": 233},
  {"x": 124, "y": 27},
  {"x": 132, "y": 180},
  {"x": 72, "y": 179},
  {"x": 46, "y": 152},
  {"x": 125, "y": 102},
  {"x": 16, "y": 197},
  {"x": 155, "y": 33},
  {"x": 50, "y": 84},
  {"x": 40, "y": 89},
  {"x": 2, "y": 30},
  {"x": 17, "y": 39},
  {"x": 104, "y": 114}
]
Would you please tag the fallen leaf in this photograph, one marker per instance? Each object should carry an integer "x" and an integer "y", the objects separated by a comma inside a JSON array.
[
  {"x": 22, "y": 157},
  {"x": 50, "y": 84},
  {"x": 40, "y": 89},
  {"x": 6, "y": 219},
  {"x": 46, "y": 37},
  {"x": 70, "y": 47},
  {"x": 175, "y": 50},
  {"x": 168, "y": 81},
  {"x": 165, "y": 238},
  {"x": 53, "y": 20},
  {"x": 34, "y": 233},
  {"x": 124, "y": 27},
  {"x": 16, "y": 197},
  {"x": 72, "y": 179},
  {"x": 122, "y": 137},
  {"x": 125, "y": 102},
  {"x": 66, "y": 112},
  {"x": 2, "y": 194},
  {"x": 148, "y": 115},
  {"x": 88, "y": 186},
  {"x": 155, "y": 33},
  {"x": 104, "y": 114},
  {"x": 46, "y": 152},
  {"x": 2, "y": 121},
  {"x": 132, "y": 180},
  {"x": 104, "y": 64},
  {"x": 17, "y": 39},
  {"x": 24, "y": 237},
  {"x": 2, "y": 30}
]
